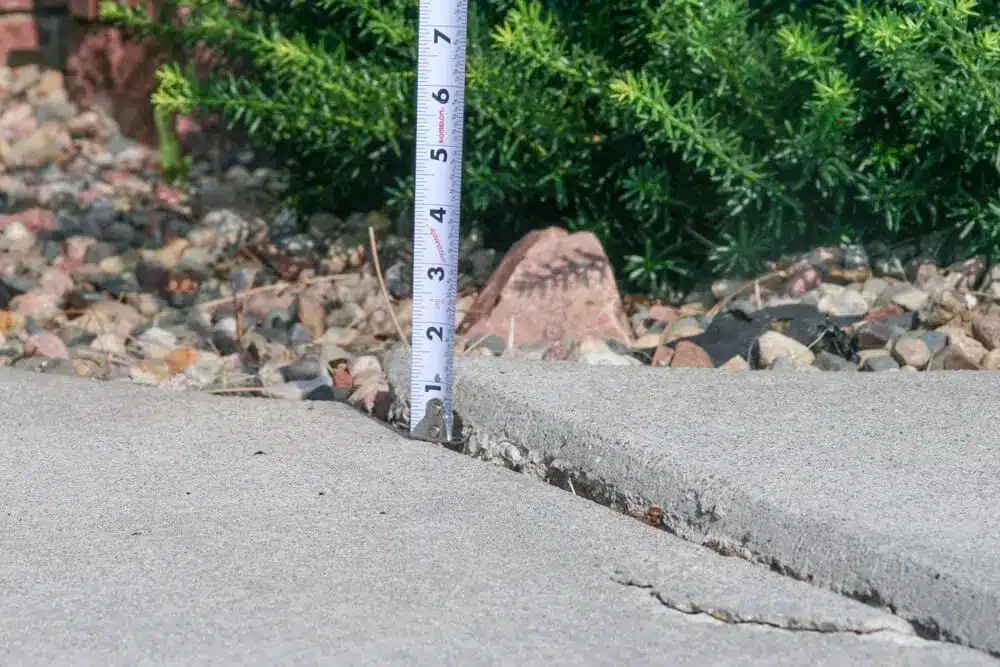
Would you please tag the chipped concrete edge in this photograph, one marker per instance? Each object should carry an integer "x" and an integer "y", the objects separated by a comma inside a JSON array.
[{"x": 590, "y": 463}]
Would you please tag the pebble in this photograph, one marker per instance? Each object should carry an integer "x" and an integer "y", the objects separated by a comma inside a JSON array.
[
  {"x": 910, "y": 298},
  {"x": 911, "y": 350},
  {"x": 991, "y": 360},
  {"x": 597, "y": 352},
  {"x": 774, "y": 345},
  {"x": 827, "y": 361},
  {"x": 156, "y": 343},
  {"x": 109, "y": 343},
  {"x": 690, "y": 355},
  {"x": 845, "y": 303},
  {"x": 986, "y": 329},
  {"x": 880, "y": 362},
  {"x": 306, "y": 368}
]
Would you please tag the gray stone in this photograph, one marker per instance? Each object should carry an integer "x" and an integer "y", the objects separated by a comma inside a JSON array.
[
  {"x": 827, "y": 361},
  {"x": 156, "y": 342},
  {"x": 879, "y": 362},
  {"x": 99, "y": 251},
  {"x": 306, "y": 368},
  {"x": 787, "y": 364},
  {"x": 890, "y": 267},
  {"x": 119, "y": 234},
  {"x": 856, "y": 257},
  {"x": 936, "y": 340},
  {"x": 74, "y": 336}
]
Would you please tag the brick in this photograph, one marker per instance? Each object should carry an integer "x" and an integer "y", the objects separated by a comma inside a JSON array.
[
  {"x": 117, "y": 75},
  {"x": 84, "y": 9},
  {"x": 45, "y": 36},
  {"x": 18, "y": 32},
  {"x": 88, "y": 9},
  {"x": 30, "y": 5}
]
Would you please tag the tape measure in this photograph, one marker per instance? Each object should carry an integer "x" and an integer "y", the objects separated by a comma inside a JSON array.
[{"x": 438, "y": 194}]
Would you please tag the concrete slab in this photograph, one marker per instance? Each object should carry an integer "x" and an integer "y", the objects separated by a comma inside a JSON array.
[
  {"x": 141, "y": 527},
  {"x": 883, "y": 487}
]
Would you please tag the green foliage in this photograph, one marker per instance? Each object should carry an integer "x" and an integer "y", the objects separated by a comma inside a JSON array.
[
  {"x": 687, "y": 134},
  {"x": 174, "y": 165}
]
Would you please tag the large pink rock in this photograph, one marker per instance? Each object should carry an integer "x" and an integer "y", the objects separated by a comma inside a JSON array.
[{"x": 551, "y": 284}]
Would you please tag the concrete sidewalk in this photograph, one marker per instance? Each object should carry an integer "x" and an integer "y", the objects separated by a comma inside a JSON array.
[
  {"x": 884, "y": 487},
  {"x": 141, "y": 527}
]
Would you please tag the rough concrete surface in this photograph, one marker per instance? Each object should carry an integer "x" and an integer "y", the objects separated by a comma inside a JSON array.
[
  {"x": 141, "y": 527},
  {"x": 883, "y": 487}
]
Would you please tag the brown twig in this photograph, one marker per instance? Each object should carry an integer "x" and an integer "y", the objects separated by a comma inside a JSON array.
[
  {"x": 234, "y": 390},
  {"x": 238, "y": 309},
  {"x": 275, "y": 286},
  {"x": 381, "y": 283},
  {"x": 470, "y": 348},
  {"x": 717, "y": 308}
]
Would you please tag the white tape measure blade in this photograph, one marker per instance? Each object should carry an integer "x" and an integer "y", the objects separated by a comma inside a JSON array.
[{"x": 437, "y": 208}]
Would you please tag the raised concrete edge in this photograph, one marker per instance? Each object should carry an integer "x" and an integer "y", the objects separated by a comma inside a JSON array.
[{"x": 585, "y": 458}]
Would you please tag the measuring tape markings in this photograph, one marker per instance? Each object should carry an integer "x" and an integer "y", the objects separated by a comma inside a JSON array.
[{"x": 437, "y": 208}]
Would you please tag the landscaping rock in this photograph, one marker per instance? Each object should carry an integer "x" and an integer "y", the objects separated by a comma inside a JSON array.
[
  {"x": 773, "y": 345},
  {"x": 551, "y": 284}
]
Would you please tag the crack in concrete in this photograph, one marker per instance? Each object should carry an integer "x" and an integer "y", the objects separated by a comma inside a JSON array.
[{"x": 791, "y": 624}]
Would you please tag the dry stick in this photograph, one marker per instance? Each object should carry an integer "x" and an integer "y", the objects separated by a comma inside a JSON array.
[
  {"x": 235, "y": 390},
  {"x": 717, "y": 308},
  {"x": 381, "y": 283},
  {"x": 277, "y": 285},
  {"x": 238, "y": 310},
  {"x": 472, "y": 347}
]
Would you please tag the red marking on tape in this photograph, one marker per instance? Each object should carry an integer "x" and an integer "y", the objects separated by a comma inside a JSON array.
[{"x": 437, "y": 241}]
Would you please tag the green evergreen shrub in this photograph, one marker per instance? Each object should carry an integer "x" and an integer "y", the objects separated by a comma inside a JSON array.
[{"x": 688, "y": 134}]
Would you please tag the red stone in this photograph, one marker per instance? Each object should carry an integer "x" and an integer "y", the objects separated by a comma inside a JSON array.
[
  {"x": 881, "y": 314},
  {"x": 690, "y": 355},
  {"x": 35, "y": 219},
  {"x": 18, "y": 32},
  {"x": 551, "y": 284},
  {"x": 342, "y": 379}
]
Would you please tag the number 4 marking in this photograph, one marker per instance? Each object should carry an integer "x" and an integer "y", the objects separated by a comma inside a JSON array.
[{"x": 437, "y": 214}]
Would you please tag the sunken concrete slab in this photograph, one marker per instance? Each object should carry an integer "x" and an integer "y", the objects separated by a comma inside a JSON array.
[{"x": 146, "y": 527}]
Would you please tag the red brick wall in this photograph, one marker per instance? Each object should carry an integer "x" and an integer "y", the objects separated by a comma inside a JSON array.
[{"x": 102, "y": 68}]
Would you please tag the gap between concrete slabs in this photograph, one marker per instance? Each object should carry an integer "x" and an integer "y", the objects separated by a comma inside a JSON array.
[{"x": 880, "y": 487}]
